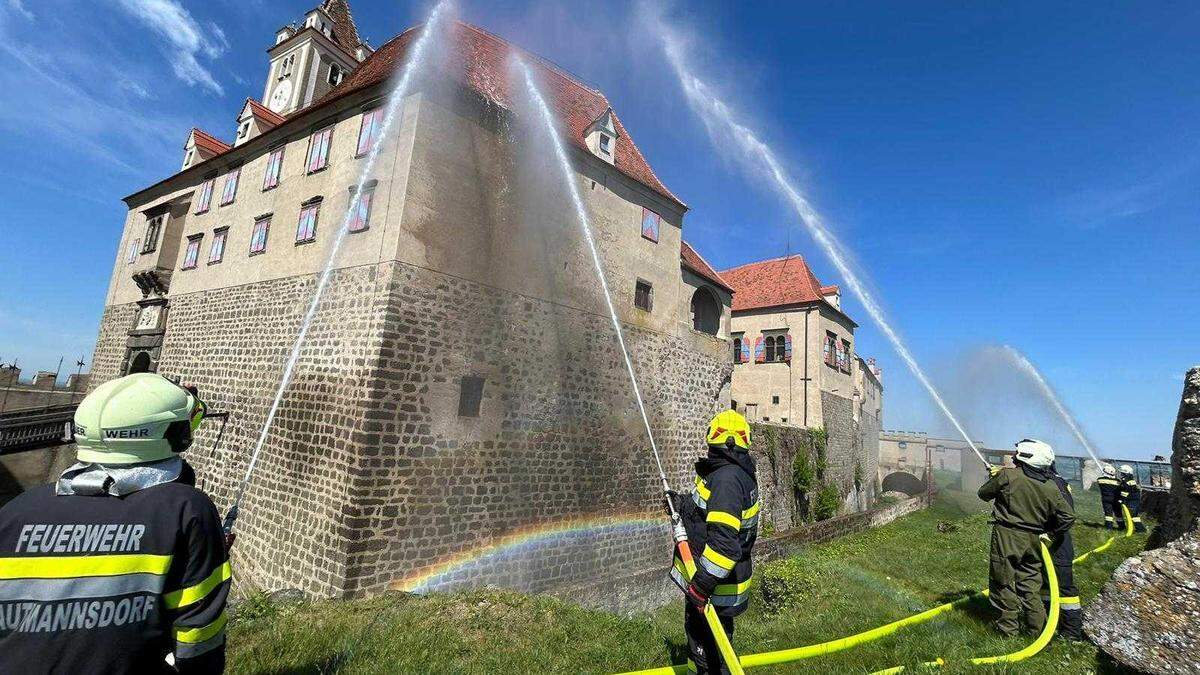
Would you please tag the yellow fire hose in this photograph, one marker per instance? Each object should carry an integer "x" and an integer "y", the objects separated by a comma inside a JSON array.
[
  {"x": 1032, "y": 648},
  {"x": 710, "y": 615},
  {"x": 842, "y": 644}
]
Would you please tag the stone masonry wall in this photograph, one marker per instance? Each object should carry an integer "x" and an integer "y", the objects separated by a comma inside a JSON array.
[
  {"x": 559, "y": 440},
  {"x": 850, "y": 445}
]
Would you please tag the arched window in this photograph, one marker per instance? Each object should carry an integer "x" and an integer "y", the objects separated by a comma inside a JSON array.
[
  {"x": 770, "y": 349},
  {"x": 706, "y": 312},
  {"x": 737, "y": 350},
  {"x": 140, "y": 363}
]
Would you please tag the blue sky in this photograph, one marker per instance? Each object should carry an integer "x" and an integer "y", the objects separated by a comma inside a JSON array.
[{"x": 1004, "y": 174}]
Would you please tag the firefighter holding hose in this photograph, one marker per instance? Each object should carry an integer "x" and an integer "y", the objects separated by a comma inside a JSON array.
[
  {"x": 1130, "y": 494},
  {"x": 1027, "y": 507},
  {"x": 721, "y": 518},
  {"x": 121, "y": 563},
  {"x": 1109, "y": 487}
]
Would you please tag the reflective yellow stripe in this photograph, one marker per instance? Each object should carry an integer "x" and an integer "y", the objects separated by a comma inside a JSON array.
[
  {"x": 752, "y": 511},
  {"x": 724, "y": 519},
  {"x": 717, "y": 559},
  {"x": 66, "y": 567},
  {"x": 1073, "y": 600},
  {"x": 186, "y": 596},
  {"x": 194, "y": 635},
  {"x": 732, "y": 589},
  {"x": 702, "y": 489}
]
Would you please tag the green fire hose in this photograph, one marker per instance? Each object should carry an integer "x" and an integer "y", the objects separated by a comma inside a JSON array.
[{"x": 842, "y": 644}]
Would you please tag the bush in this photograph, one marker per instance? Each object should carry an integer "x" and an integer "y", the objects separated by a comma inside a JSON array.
[
  {"x": 787, "y": 583},
  {"x": 825, "y": 506}
]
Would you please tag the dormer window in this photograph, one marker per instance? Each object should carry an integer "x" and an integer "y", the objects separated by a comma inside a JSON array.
[
  {"x": 243, "y": 129},
  {"x": 601, "y": 136}
]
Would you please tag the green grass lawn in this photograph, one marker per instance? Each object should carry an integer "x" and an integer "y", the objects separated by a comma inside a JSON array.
[{"x": 853, "y": 584}]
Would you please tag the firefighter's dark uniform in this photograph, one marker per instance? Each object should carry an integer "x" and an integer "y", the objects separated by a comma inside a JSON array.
[
  {"x": 1109, "y": 487},
  {"x": 722, "y": 525},
  {"x": 1130, "y": 495},
  {"x": 106, "y": 584},
  {"x": 1062, "y": 550},
  {"x": 1027, "y": 504}
]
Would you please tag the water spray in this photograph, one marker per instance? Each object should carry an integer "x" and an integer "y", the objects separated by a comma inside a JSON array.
[
  {"x": 680, "y": 534},
  {"x": 393, "y": 104},
  {"x": 1026, "y": 366},
  {"x": 712, "y": 109}
]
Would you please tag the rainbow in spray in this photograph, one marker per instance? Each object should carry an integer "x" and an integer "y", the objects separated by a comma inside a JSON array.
[{"x": 528, "y": 543}]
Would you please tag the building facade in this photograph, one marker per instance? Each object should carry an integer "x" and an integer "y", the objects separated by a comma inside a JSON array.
[
  {"x": 795, "y": 363},
  {"x": 460, "y": 384}
]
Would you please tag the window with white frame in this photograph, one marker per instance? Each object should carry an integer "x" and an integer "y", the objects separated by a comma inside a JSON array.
[
  {"x": 368, "y": 131},
  {"x": 258, "y": 236},
  {"x": 216, "y": 250},
  {"x": 306, "y": 226},
  {"x": 191, "y": 254},
  {"x": 274, "y": 169},
  {"x": 360, "y": 218},
  {"x": 153, "y": 229},
  {"x": 204, "y": 199},
  {"x": 229, "y": 191},
  {"x": 318, "y": 149}
]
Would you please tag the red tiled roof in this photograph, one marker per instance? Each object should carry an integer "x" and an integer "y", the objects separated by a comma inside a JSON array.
[
  {"x": 696, "y": 263},
  {"x": 265, "y": 114},
  {"x": 209, "y": 142},
  {"x": 773, "y": 283},
  {"x": 830, "y": 290},
  {"x": 481, "y": 60}
]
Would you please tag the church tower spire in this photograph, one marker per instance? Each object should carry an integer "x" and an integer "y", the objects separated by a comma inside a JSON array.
[{"x": 313, "y": 57}]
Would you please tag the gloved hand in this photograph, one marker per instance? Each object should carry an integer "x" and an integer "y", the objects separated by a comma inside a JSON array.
[
  {"x": 1045, "y": 538},
  {"x": 696, "y": 596},
  {"x": 671, "y": 501},
  {"x": 994, "y": 469}
]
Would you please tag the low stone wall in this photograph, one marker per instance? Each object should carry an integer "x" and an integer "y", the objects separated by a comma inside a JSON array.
[{"x": 651, "y": 588}]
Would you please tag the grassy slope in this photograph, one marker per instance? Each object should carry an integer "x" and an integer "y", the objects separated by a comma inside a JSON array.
[{"x": 861, "y": 581}]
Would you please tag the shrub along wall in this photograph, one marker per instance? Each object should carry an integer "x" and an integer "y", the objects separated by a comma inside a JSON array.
[{"x": 797, "y": 482}]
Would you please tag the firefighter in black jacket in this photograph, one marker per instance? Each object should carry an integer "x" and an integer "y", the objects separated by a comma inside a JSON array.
[
  {"x": 121, "y": 564},
  {"x": 1130, "y": 495},
  {"x": 721, "y": 518},
  {"x": 1062, "y": 550},
  {"x": 1109, "y": 486}
]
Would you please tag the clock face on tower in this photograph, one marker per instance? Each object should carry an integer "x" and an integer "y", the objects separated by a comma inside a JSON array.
[{"x": 279, "y": 97}]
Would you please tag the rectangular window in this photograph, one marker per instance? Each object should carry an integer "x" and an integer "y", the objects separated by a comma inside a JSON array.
[
  {"x": 643, "y": 295},
  {"x": 737, "y": 349},
  {"x": 845, "y": 356},
  {"x": 192, "y": 254},
  {"x": 229, "y": 191},
  {"x": 470, "y": 396},
  {"x": 775, "y": 400},
  {"x": 830, "y": 349},
  {"x": 604, "y": 144},
  {"x": 306, "y": 227},
  {"x": 650, "y": 223},
  {"x": 153, "y": 228},
  {"x": 274, "y": 168},
  {"x": 360, "y": 219},
  {"x": 318, "y": 149},
  {"x": 133, "y": 249},
  {"x": 216, "y": 251},
  {"x": 204, "y": 199},
  {"x": 258, "y": 238},
  {"x": 368, "y": 132}
]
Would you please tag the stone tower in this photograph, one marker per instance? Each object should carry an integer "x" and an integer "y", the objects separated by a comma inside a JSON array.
[{"x": 313, "y": 57}]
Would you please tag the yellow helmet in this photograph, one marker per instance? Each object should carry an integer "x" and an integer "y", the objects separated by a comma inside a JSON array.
[{"x": 729, "y": 425}]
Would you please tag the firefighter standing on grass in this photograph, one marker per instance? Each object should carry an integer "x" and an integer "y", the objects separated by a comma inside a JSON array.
[
  {"x": 1109, "y": 487},
  {"x": 1070, "y": 623},
  {"x": 721, "y": 518},
  {"x": 1130, "y": 495},
  {"x": 122, "y": 563},
  {"x": 1028, "y": 506}
]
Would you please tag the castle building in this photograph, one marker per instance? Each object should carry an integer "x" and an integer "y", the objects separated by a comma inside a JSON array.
[
  {"x": 460, "y": 382},
  {"x": 795, "y": 364}
]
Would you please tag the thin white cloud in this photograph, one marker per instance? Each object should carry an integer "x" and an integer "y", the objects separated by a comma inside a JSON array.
[
  {"x": 136, "y": 88},
  {"x": 1095, "y": 207},
  {"x": 185, "y": 40},
  {"x": 19, "y": 8}
]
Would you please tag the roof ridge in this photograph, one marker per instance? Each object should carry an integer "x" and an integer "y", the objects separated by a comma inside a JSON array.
[{"x": 766, "y": 260}]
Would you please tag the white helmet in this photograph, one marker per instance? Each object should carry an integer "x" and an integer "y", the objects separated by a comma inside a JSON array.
[
  {"x": 136, "y": 419},
  {"x": 1035, "y": 453},
  {"x": 1110, "y": 470},
  {"x": 1127, "y": 470}
]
